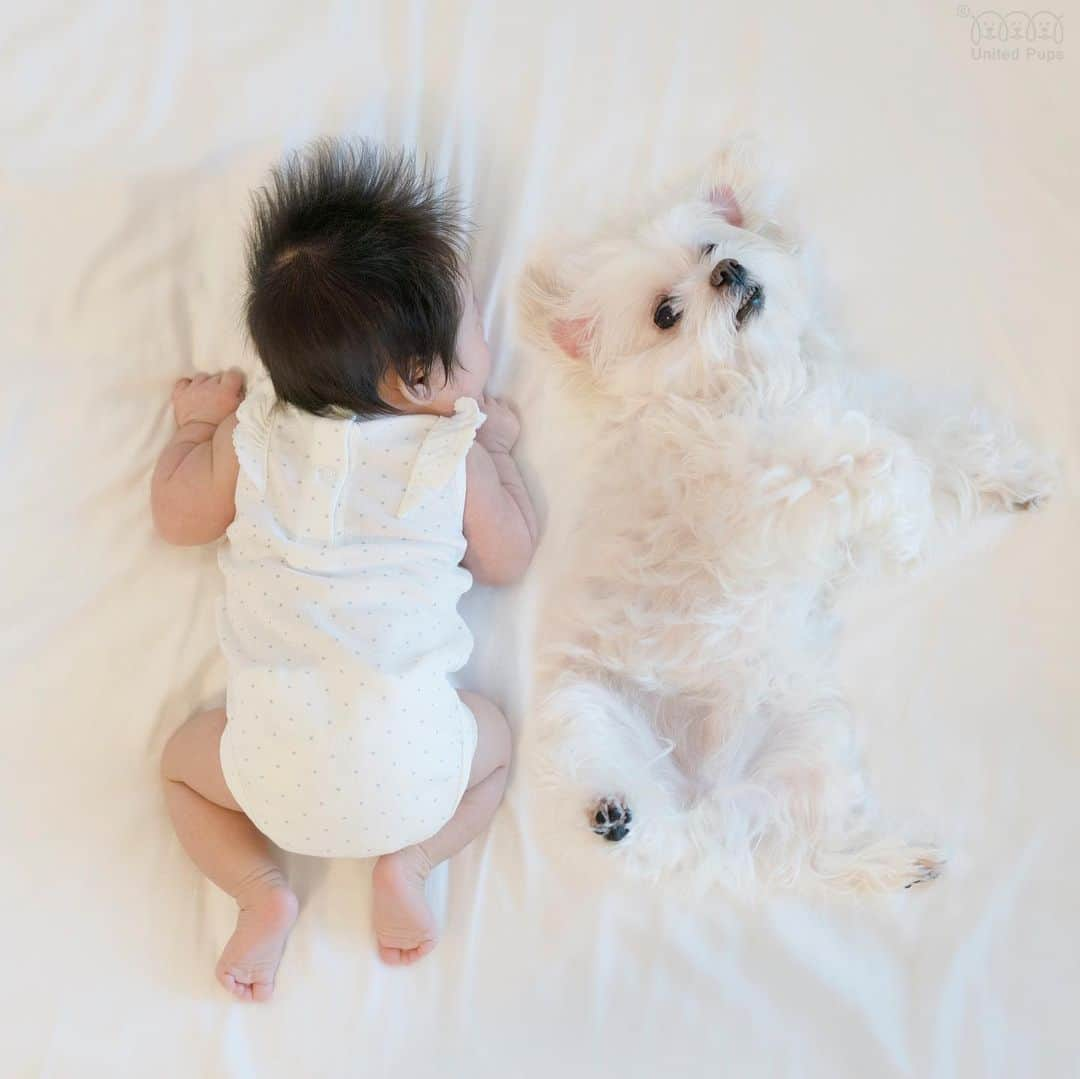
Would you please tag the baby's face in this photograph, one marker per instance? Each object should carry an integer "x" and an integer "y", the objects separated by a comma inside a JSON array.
[
  {"x": 473, "y": 360},
  {"x": 472, "y": 365}
]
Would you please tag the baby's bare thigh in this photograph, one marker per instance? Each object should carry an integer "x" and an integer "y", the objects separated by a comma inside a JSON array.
[
  {"x": 492, "y": 737},
  {"x": 193, "y": 757}
]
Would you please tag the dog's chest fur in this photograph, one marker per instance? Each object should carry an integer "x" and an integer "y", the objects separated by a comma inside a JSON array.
[{"x": 680, "y": 546}]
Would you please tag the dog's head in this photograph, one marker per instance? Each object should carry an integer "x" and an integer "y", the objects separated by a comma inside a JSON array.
[{"x": 676, "y": 298}]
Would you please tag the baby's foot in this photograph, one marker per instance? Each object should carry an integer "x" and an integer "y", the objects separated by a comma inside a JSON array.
[
  {"x": 404, "y": 925},
  {"x": 250, "y": 960}
]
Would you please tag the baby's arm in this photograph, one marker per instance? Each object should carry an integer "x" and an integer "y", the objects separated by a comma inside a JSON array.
[
  {"x": 500, "y": 522},
  {"x": 194, "y": 486}
]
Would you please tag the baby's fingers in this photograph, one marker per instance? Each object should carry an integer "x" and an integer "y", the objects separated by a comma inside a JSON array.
[
  {"x": 498, "y": 406},
  {"x": 181, "y": 385},
  {"x": 232, "y": 380}
]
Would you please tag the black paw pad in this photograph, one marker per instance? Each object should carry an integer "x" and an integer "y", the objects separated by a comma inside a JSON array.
[{"x": 610, "y": 818}]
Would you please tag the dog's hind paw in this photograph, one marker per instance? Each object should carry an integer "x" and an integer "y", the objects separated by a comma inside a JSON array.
[
  {"x": 610, "y": 818},
  {"x": 926, "y": 868}
]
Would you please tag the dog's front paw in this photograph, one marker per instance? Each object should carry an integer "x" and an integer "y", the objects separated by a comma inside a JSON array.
[
  {"x": 1028, "y": 482},
  {"x": 1034, "y": 501},
  {"x": 1034, "y": 488},
  {"x": 879, "y": 865},
  {"x": 610, "y": 818}
]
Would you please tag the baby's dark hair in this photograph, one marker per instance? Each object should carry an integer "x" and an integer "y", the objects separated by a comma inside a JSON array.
[{"x": 355, "y": 271}]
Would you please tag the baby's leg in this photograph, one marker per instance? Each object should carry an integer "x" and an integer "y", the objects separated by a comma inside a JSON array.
[
  {"x": 404, "y": 925},
  {"x": 232, "y": 852}
]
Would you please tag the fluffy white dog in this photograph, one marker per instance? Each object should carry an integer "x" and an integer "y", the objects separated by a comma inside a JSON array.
[{"x": 743, "y": 475}]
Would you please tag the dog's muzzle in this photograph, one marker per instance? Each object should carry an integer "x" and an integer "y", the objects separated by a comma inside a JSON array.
[{"x": 731, "y": 276}]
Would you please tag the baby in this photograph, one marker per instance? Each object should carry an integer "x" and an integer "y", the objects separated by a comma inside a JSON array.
[{"x": 362, "y": 486}]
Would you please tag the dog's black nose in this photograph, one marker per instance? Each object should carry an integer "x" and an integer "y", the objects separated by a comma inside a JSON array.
[{"x": 728, "y": 272}]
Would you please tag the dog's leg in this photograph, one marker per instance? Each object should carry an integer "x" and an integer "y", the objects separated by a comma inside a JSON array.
[
  {"x": 791, "y": 781},
  {"x": 884, "y": 495},
  {"x": 620, "y": 772},
  {"x": 941, "y": 476},
  {"x": 870, "y": 864},
  {"x": 838, "y": 484},
  {"x": 980, "y": 463},
  {"x": 976, "y": 460}
]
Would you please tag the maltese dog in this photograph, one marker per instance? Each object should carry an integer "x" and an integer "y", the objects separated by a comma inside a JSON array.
[{"x": 742, "y": 475}]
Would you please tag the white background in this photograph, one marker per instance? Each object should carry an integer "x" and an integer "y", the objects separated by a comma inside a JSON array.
[{"x": 942, "y": 194}]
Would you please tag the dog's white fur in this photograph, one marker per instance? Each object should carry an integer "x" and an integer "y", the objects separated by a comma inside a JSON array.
[{"x": 744, "y": 474}]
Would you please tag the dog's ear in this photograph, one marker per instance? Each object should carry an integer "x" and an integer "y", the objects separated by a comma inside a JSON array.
[
  {"x": 573, "y": 336},
  {"x": 726, "y": 203},
  {"x": 733, "y": 183},
  {"x": 546, "y": 314}
]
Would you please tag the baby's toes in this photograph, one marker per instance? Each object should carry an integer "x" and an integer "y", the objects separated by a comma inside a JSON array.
[
  {"x": 422, "y": 949},
  {"x": 234, "y": 986},
  {"x": 247, "y": 984}
]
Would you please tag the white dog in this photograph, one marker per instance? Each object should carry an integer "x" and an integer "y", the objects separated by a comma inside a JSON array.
[{"x": 742, "y": 476}]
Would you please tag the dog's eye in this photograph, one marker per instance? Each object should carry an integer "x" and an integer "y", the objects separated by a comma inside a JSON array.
[
  {"x": 665, "y": 316},
  {"x": 708, "y": 249}
]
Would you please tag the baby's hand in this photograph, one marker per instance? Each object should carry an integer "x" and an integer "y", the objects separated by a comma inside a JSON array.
[
  {"x": 501, "y": 428},
  {"x": 207, "y": 398}
]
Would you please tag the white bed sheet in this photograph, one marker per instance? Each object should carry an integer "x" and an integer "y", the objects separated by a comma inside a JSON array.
[{"x": 943, "y": 194}]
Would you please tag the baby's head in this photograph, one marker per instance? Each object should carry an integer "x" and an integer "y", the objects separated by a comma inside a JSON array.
[{"x": 358, "y": 296}]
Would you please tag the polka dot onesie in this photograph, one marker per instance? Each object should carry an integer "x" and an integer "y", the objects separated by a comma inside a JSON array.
[{"x": 339, "y": 626}]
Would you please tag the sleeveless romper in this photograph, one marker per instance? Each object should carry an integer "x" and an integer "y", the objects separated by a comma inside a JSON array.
[{"x": 339, "y": 626}]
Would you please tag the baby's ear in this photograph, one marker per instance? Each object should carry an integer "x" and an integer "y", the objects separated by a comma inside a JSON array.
[
  {"x": 546, "y": 317},
  {"x": 417, "y": 391}
]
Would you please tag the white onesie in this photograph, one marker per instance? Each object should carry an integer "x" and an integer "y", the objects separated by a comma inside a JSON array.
[{"x": 340, "y": 626}]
